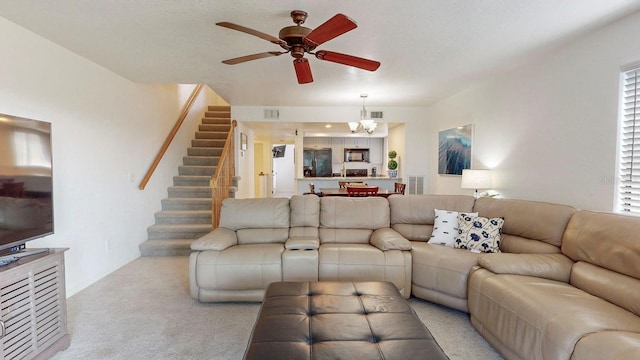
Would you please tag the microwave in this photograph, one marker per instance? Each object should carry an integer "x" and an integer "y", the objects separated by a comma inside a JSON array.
[{"x": 356, "y": 155}]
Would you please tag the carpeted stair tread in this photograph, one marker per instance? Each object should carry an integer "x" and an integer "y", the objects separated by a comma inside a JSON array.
[
  {"x": 201, "y": 160},
  {"x": 186, "y": 204},
  {"x": 210, "y": 143},
  {"x": 166, "y": 247},
  {"x": 218, "y": 107},
  {"x": 191, "y": 180},
  {"x": 189, "y": 192},
  {"x": 215, "y": 127},
  {"x": 211, "y": 135},
  {"x": 218, "y": 114},
  {"x": 183, "y": 217},
  {"x": 216, "y": 121},
  {"x": 177, "y": 231},
  {"x": 204, "y": 151},
  {"x": 196, "y": 170}
]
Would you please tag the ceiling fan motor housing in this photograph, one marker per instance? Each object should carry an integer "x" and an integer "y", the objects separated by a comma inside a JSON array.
[{"x": 293, "y": 36}]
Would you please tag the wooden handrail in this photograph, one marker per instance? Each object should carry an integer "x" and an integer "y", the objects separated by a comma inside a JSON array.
[
  {"x": 222, "y": 181},
  {"x": 170, "y": 137}
]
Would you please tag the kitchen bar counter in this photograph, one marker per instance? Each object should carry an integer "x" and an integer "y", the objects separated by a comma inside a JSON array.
[{"x": 383, "y": 182}]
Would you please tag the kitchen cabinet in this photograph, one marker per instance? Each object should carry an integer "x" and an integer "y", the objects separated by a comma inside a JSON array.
[
  {"x": 337, "y": 146},
  {"x": 317, "y": 142},
  {"x": 356, "y": 142},
  {"x": 375, "y": 152}
]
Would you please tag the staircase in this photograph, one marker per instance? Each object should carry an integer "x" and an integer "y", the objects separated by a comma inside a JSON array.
[{"x": 186, "y": 213}]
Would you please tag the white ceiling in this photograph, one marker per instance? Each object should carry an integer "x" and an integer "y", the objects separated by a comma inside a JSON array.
[{"x": 428, "y": 48}]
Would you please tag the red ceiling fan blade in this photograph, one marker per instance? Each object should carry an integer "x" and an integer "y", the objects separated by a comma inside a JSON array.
[
  {"x": 253, "y": 32},
  {"x": 242, "y": 59},
  {"x": 349, "y": 60},
  {"x": 336, "y": 26},
  {"x": 303, "y": 70}
]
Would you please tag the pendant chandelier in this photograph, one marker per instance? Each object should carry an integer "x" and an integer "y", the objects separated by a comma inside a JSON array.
[{"x": 367, "y": 124}]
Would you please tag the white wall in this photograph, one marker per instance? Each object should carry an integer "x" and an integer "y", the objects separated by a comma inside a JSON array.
[
  {"x": 245, "y": 163},
  {"x": 550, "y": 128},
  {"x": 106, "y": 131},
  {"x": 397, "y": 141}
]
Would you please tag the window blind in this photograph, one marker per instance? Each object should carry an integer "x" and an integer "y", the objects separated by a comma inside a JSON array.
[{"x": 629, "y": 161}]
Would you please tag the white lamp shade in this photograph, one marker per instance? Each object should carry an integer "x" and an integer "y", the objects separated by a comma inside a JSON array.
[
  {"x": 367, "y": 123},
  {"x": 354, "y": 126},
  {"x": 476, "y": 179}
]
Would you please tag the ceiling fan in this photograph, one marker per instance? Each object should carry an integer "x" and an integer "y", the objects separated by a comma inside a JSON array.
[{"x": 298, "y": 40}]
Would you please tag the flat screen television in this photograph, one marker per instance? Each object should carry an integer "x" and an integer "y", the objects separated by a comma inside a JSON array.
[
  {"x": 278, "y": 151},
  {"x": 26, "y": 186}
]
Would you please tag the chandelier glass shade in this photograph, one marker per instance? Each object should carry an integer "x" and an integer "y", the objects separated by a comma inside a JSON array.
[{"x": 365, "y": 123}]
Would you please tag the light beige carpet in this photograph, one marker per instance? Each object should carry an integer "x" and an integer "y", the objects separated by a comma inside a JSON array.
[{"x": 144, "y": 311}]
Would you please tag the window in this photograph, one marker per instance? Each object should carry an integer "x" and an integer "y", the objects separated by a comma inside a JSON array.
[{"x": 628, "y": 196}]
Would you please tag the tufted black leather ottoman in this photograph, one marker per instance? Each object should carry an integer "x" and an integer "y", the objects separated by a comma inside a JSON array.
[{"x": 339, "y": 320}]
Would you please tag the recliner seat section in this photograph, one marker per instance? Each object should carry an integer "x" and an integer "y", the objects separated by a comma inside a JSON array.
[
  {"x": 439, "y": 273},
  {"x": 357, "y": 243},
  {"x": 551, "y": 311},
  {"x": 240, "y": 258}
]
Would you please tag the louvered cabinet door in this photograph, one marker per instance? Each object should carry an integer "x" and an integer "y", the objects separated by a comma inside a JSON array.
[{"x": 33, "y": 311}]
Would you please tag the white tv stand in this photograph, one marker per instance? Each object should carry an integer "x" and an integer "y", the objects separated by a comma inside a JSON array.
[{"x": 33, "y": 316}]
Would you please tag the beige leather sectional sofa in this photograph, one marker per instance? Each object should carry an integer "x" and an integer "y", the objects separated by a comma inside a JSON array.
[{"x": 566, "y": 284}]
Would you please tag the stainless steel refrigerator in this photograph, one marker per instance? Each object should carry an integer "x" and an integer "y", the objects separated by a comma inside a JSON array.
[{"x": 317, "y": 163}]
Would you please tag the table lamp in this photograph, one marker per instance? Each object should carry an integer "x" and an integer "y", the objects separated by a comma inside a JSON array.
[{"x": 476, "y": 179}]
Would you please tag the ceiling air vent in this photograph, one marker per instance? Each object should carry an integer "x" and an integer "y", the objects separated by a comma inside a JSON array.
[
  {"x": 376, "y": 115},
  {"x": 271, "y": 114}
]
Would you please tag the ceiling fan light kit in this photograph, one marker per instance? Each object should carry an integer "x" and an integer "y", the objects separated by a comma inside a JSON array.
[
  {"x": 367, "y": 124},
  {"x": 354, "y": 126},
  {"x": 298, "y": 40}
]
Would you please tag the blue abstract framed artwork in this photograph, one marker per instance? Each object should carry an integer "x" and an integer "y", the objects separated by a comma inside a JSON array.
[{"x": 454, "y": 150}]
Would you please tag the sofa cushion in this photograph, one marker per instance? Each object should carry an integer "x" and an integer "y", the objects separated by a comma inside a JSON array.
[
  {"x": 413, "y": 215},
  {"x": 305, "y": 210},
  {"x": 608, "y": 345},
  {"x": 260, "y": 236},
  {"x": 218, "y": 239},
  {"x": 243, "y": 267},
  {"x": 360, "y": 262},
  {"x": 302, "y": 243},
  {"x": 614, "y": 287},
  {"x": 445, "y": 227},
  {"x": 478, "y": 233},
  {"x": 539, "y": 318},
  {"x": 388, "y": 239},
  {"x": 369, "y": 213},
  {"x": 604, "y": 239},
  {"x": 548, "y": 266},
  {"x": 255, "y": 213},
  {"x": 529, "y": 226},
  {"x": 439, "y": 273}
]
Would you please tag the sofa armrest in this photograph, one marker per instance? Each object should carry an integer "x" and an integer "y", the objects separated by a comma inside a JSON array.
[
  {"x": 389, "y": 239},
  {"x": 549, "y": 266},
  {"x": 302, "y": 243},
  {"x": 218, "y": 239}
]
